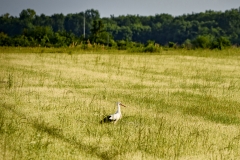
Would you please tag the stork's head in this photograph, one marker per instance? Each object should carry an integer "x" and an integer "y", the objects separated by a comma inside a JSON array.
[{"x": 120, "y": 104}]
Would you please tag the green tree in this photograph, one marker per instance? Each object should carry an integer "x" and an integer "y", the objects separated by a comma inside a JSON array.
[
  {"x": 98, "y": 33},
  {"x": 20, "y": 40},
  {"x": 202, "y": 42},
  {"x": 4, "y": 39},
  {"x": 41, "y": 35},
  {"x": 124, "y": 33},
  {"x": 57, "y": 22},
  {"x": 26, "y": 18},
  {"x": 221, "y": 43}
]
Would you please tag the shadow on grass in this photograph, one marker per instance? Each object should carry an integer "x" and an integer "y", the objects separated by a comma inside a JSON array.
[
  {"x": 223, "y": 118},
  {"x": 217, "y": 110},
  {"x": 55, "y": 132}
]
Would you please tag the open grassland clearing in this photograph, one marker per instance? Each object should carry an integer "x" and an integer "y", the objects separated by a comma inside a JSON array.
[{"x": 181, "y": 104}]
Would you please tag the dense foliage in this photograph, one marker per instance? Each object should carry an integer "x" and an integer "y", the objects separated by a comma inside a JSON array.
[{"x": 211, "y": 29}]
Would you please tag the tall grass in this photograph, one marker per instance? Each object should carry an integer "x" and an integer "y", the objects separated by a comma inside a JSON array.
[{"x": 181, "y": 104}]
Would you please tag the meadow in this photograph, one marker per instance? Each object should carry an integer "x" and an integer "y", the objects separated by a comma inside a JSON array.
[{"x": 181, "y": 104}]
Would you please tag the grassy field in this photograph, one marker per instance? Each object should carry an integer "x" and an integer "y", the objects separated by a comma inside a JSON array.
[{"x": 180, "y": 104}]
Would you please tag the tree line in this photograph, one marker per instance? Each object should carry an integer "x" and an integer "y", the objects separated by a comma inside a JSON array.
[{"x": 209, "y": 29}]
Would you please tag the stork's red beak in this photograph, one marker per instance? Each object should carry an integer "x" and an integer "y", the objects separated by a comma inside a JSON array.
[{"x": 122, "y": 105}]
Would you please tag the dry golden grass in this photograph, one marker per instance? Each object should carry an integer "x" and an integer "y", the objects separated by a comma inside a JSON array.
[{"x": 181, "y": 104}]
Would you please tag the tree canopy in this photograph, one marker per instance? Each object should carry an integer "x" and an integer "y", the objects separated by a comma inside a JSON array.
[{"x": 207, "y": 29}]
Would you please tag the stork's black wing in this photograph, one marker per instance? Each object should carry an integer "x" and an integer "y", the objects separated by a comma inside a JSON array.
[{"x": 106, "y": 119}]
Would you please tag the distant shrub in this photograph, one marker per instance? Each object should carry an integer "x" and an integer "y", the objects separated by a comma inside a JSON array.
[
  {"x": 4, "y": 39},
  {"x": 172, "y": 45},
  {"x": 221, "y": 43},
  {"x": 202, "y": 42},
  {"x": 151, "y": 47},
  {"x": 121, "y": 44},
  {"x": 187, "y": 44}
]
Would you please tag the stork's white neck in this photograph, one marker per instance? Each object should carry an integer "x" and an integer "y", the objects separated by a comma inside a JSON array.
[{"x": 119, "y": 109}]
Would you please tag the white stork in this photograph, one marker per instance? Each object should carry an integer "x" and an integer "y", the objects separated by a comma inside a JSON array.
[{"x": 114, "y": 117}]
